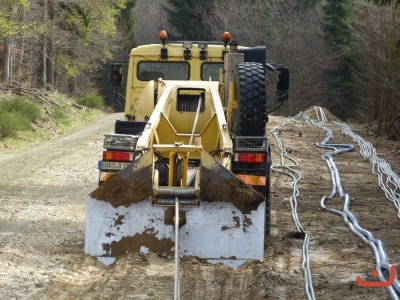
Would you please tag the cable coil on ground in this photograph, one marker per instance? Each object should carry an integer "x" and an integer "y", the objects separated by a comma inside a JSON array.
[
  {"x": 390, "y": 185},
  {"x": 287, "y": 170},
  {"x": 378, "y": 249}
]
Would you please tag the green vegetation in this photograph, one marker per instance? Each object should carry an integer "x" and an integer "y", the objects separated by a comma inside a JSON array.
[
  {"x": 10, "y": 123},
  {"x": 21, "y": 106},
  {"x": 91, "y": 101},
  {"x": 25, "y": 122},
  {"x": 58, "y": 113},
  {"x": 337, "y": 23},
  {"x": 17, "y": 114},
  {"x": 187, "y": 18},
  {"x": 61, "y": 117}
]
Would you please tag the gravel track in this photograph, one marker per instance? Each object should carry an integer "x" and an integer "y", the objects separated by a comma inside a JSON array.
[{"x": 42, "y": 222}]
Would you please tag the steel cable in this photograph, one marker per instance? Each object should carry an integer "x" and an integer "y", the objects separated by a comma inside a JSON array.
[
  {"x": 376, "y": 245},
  {"x": 287, "y": 170},
  {"x": 389, "y": 182},
  {"x": 320, "y": 114}
]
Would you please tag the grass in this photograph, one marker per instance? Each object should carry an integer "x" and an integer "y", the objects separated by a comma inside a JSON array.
[
  {"x": 11, "y": 123},
  {"x": 17, "y": 114},
  {"x": 21, "y": 106},
  {"x": 23, "y": 123},
  {"x": 58, "y": 113},
  {"x": 91, "y": 101}
]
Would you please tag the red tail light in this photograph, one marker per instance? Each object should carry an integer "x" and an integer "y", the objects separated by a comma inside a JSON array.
[
  {"x": 118, "y": 156},
  {"x": 250, "y": 157}
]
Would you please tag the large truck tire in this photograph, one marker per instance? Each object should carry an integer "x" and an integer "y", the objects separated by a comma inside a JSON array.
[{"x": 252, "y": 110}]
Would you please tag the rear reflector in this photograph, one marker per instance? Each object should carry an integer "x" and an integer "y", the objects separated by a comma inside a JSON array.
[
  {"x": 103, "y": 176},
  {"x": 117, "y": 156},
  {"x": 250, "y": 157},
  {"x": 253, "y": 180}
]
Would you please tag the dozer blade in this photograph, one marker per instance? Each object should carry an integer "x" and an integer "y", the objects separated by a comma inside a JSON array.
[{"x": 227, "y": 226}]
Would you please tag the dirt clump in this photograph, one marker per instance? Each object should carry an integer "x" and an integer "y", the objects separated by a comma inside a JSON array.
[
  {"x": 121, "y": 190},
  {"x": 228, "y": 188},
  {"x": 316, "y": 112}
]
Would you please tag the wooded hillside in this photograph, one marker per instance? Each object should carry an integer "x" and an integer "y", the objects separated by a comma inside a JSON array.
[{"x": 343, "y": 54}]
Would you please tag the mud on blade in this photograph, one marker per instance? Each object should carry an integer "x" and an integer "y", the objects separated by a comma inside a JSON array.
[{"x": 227, "y": 226}]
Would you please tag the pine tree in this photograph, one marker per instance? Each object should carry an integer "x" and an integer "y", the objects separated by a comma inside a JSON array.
[
  {"x": 186, "y": 17},
  {"x": 337, "y": 25},
  {"x": 386, "y": 2}
]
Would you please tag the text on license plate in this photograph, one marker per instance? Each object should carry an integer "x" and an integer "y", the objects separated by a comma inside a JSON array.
[{"x": 112, "y": 165}]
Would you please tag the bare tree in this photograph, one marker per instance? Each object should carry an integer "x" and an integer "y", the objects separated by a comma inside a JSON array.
[
  {"x": 150, "y": 17},
  {"x": 240, "y": 17},
  {"x": 292, "y": 35},
  {"x": 12, "y": 25},
  {"x": 377, "y": 33}
]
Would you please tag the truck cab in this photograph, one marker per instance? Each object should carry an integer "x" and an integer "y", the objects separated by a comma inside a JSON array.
[{"x": 179, "y": 61}]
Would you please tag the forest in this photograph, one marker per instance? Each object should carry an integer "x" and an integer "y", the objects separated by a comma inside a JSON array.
[{"x": 343, "y": 55}]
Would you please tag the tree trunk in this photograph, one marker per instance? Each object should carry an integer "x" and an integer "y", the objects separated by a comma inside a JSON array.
[
  {"x": 50, "y": 47},
  {"x": 72, "y": 87},
  {"x": 43, "y": 71},
  {"x": 6, "y": 61}
]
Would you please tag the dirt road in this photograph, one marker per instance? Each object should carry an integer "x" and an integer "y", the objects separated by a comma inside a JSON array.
[{"x": 42, "y": 219}]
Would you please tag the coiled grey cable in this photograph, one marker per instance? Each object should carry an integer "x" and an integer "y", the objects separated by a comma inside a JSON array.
[
  {"x": 378, "y": 249},
  {"x": 288, "y": 170},
  {"x": 320, "y": 114},
  {"x": 390, "y": 185}
]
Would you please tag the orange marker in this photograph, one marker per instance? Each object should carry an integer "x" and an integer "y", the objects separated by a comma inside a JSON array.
[{"x": 377, "y": 283}]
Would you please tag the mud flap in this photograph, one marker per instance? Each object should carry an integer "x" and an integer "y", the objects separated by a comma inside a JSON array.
[{"x": 227, "y": 227}]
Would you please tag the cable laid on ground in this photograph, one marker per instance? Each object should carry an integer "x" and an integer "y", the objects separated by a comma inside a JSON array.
[
  {"x": 288, "y": 170},
  {"x": 382, "y": 261},
  {"x": 390, "y": 185},
  {"x": 320, "y": 114}
]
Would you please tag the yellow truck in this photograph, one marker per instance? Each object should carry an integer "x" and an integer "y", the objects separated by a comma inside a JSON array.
[{"x": 187, "y": 171}]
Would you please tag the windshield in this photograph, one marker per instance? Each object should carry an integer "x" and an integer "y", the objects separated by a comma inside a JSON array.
[
  {"x": 150, "y": 70},
  {"x": 211, "y": 70}
]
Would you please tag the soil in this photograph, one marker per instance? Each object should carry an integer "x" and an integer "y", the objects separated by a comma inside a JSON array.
[
  {"x": 42, "y": 225},
  {"x": 224, "y": 186},
  {"x": 111, "y": 190}
]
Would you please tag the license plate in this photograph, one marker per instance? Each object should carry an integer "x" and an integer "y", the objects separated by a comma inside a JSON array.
[{"x": 112, "y": 165}]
